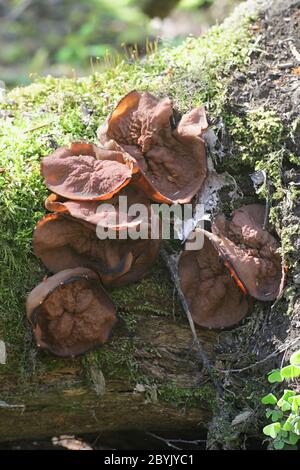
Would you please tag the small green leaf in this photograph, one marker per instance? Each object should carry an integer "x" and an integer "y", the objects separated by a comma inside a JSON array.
[
  {"x": 294, "y": 399},
  {"x": 287, "y": 426},
  {"x": 276, "y": 415},
  {"x": 269, "y": 412},
  {"x": 286, "y": 406},
  {"x": 269, "y": 399},
  {"x": 297, "y": 429},
  {"x": 290, "y": 372},
  {"x": 284, "y": 402},
  {"x": 293, "y": 438},
  {"x": 272, "y": 430},
  {"x": 286, "y": 395},
  {"x": 275, "y": 376},
  {"x": 279, "y": 445},
  {"x": 295, "y": 406},
  {"x": 295, "y": 418},
  {"x": 295, "y": 358}
]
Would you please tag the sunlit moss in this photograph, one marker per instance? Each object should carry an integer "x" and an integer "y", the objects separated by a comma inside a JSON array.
[{"x": 186, "y": 398}]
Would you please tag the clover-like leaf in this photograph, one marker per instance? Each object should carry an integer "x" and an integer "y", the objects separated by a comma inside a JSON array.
[
  {"x": 290, "y": 372},
  {"x": 275, "y": 376},
  {"x": 286, "y": 395},
  {"x": 272, "y": 430},
  {"x": 293, "y": 438},
  {"x": 269, "y": 399},
  {"x": 287, "y": 426},
  {"x": 279, "y": 444},
  {"x": 295, "y": 358},
  {"x": 276, "y": 415},
  {"x": 294, "y": 399}
]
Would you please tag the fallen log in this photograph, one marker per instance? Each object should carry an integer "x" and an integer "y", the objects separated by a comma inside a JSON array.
[
  {"x": 149, "y": 376},
  {"x": 98, "y": 394}
]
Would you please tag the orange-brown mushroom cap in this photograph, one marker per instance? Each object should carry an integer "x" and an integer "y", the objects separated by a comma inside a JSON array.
[
  {"x": 214, "y": 299},
  {"x": 109, "y": 214},
  {"x": 172, "y": 162},
  {"x": 62, "y": 242},
  {"x": 250, "y": 251},
  {"x": 85, "y": 172},
  {"x": 70, "y": 312}
]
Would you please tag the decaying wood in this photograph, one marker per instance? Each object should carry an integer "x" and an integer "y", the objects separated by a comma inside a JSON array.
[{"x": 62, "y": 400}]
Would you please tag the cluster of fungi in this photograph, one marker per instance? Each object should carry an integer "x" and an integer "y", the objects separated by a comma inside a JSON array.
[{"x": 145, "y": 154}]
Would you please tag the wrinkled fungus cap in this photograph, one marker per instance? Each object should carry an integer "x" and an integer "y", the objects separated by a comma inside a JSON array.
[
  {"x": 85, "y": 172},
  {"x": 214, "y": 299},
  {"x": 70, "y": 312},
  {"x": 250, "y": 252},
  {"x": 113, "y": 214},
  {"x": 62, "y": 242},
  {"x": 171, "y": 159}
]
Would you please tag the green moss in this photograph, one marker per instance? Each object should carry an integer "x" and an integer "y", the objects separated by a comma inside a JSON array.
[
  {"x": 186, "y": 397},
  {"x": 258, "y": 139},
  {"x": 116, "y": 360},
  {"x": 289, "y": 235},
  {"x": 134, "y": 299},
  {"x": 258, "y": 144},
  {"x": 53, "y": 112},
  {"x": 287, "y": 238}
]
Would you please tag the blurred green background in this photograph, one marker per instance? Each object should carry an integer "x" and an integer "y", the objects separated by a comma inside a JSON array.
[{"x": 75, "y": 37}]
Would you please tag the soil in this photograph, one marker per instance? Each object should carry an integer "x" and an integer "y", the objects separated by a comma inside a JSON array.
[{"x": 273, "y": 79}]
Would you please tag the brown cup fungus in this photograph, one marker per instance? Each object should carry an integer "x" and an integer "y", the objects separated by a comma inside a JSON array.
[
  {"x": 145, "y": 154},
  {"x": 106, "y": 214},
  {"x": 62, "y": 242},
  {"x": 213, "y": 297},
  {"x": 70, "y": 312},
  {"x": 250, "y": 251},
  {"x": 171, "y": 158},
  {"x": 84, "y": 172}
]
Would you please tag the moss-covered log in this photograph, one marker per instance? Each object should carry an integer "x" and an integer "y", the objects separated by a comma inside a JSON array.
[
  {"x": 62, "y": 400},
  {"x": 149, "y": 376}
]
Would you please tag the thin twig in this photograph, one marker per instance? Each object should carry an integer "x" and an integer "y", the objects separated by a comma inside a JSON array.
[
  {"x": 185, "y": 441},
  {"x": 171, "y": 442},
  {"x": 166, "y": 441},
  {"x": 172, "y": 267},
  {"x": 267, "y": 209}
]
